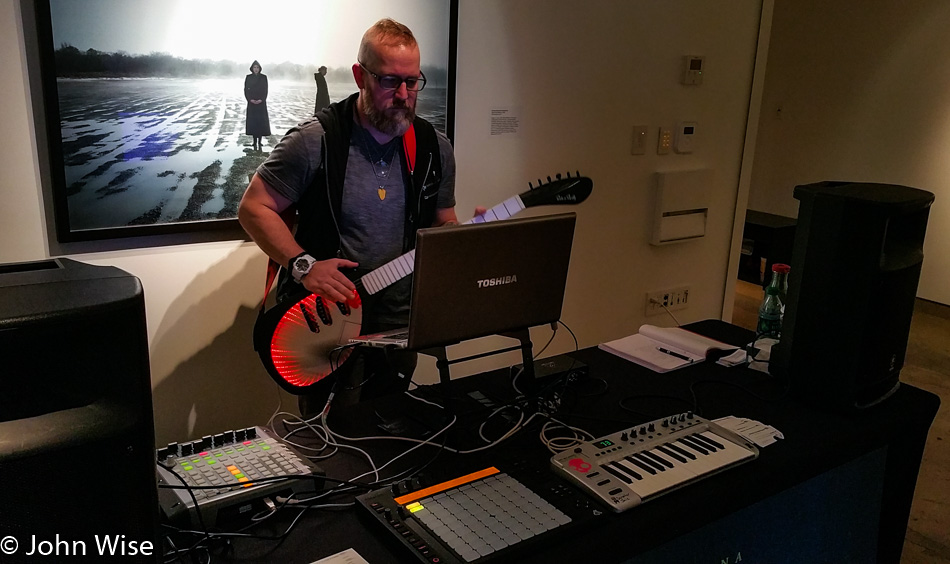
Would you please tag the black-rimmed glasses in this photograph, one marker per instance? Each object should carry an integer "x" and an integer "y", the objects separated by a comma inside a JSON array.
[{"x": 392, "y": 82}]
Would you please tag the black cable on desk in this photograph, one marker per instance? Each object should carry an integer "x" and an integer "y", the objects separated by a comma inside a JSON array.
[
  {"x": 781, "y": 396},
  {"x": 649, "y": 417},
  {"x": 207, "y": 539}
]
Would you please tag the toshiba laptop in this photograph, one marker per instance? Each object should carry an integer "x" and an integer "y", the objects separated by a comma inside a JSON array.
[{"x": 470, "y": 281}]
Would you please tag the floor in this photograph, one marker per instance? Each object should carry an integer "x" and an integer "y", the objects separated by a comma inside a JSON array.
[{"x": 927, "y": 366}]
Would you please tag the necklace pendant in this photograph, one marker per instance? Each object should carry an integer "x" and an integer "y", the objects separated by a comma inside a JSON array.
[{"x": 381, "y": 192}]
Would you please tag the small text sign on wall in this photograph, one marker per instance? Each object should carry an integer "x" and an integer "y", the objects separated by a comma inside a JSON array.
[{"x": 505, "y": 121}]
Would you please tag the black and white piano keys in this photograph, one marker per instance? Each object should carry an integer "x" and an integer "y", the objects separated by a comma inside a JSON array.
[{"x": 627, "y": 468}]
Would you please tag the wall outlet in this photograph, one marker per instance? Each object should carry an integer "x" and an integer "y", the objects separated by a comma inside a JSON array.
[{"x": 673, "y": 298}]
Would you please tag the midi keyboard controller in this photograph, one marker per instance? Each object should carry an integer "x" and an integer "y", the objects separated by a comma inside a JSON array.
[
  {"x": 494, "y": 513},
  {"x": 629, "y": 467}
]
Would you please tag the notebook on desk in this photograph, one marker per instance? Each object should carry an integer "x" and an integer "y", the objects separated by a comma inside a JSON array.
[
  {"x": 662, "y": 349},
  {"x": 475, "y": 280}
]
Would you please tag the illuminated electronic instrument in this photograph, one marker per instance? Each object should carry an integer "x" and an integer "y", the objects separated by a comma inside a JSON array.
[
  {"x": 480, "y": 516},
  {"x": 232, "y": 461},
  {"x": 297, "y": 337}
]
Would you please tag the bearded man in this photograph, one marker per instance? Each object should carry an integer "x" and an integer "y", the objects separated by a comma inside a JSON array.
[{"x": 363, "y": 175}]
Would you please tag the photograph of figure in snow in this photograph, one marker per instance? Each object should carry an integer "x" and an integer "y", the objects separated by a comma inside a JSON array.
[{"x": 152, "y": 110}]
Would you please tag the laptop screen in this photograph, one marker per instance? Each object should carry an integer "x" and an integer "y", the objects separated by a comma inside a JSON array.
[{"x": 470, "y": 281}]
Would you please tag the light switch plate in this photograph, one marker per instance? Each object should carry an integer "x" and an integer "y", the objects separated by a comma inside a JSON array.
[{"x": 639, "y": 144}]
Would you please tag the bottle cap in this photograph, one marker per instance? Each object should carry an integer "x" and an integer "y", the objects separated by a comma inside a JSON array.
[{"x": 781, "y": 268}]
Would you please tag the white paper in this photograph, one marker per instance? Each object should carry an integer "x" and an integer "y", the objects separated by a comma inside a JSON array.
[
  {"x": 737, "y": 358},
  {"x": 759, "y": 433},
  {"x": 348, "y": 556},
  {"x": 648, "y": 353},
  {"x": 696, "y": 344},
  {"x": 763, "y": 348},
  {"x": 662, "y": 349}
]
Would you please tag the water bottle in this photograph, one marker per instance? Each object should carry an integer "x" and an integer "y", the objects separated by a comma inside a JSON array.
[
  {"x": 780, "y": 278},
  {"x": 770, "y": 315}
]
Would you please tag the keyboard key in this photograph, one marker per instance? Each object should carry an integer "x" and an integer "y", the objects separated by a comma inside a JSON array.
[{"x": 479, "y": 518}]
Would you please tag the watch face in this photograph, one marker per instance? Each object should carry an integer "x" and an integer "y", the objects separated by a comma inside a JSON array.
[{"x": 302, "y": 266}]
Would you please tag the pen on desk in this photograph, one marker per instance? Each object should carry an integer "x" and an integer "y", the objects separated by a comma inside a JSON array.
[{"x": 676, "y": 354}]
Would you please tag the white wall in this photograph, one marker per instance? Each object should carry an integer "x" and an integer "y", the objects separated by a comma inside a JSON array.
[
  {"x": 580, "y": 75},
  {"x": 857, "y": 91},
  {"x": 22, "y": 230}
]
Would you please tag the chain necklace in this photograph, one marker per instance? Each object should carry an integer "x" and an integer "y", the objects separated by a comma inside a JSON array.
[{"x": 383, "y": 161}]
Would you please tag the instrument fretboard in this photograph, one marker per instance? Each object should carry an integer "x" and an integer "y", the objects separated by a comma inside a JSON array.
[{"x": 402, "y": 266}]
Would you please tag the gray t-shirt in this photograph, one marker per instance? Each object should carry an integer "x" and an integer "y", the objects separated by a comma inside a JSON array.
[{"x": 374, "y": 201}]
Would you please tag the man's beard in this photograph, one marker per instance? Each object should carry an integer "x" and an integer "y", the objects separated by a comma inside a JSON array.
[{"x": 390, "y": 122}]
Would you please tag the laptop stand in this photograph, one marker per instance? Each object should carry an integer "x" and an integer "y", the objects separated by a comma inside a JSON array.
[{"x": 443, "y": 363}]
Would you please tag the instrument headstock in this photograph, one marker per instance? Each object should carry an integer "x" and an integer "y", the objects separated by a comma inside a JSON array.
[{"x": 558, "y": 191}]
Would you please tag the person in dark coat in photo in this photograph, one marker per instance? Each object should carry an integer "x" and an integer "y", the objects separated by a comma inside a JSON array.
[
  {"x": 255, "y": 90},
  {"x": 323, "y": 94}
]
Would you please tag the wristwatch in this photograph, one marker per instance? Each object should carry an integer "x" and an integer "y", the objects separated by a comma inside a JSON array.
[{"x": 300, "y": 266}]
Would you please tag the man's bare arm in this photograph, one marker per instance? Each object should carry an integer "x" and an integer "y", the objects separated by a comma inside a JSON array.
[{"x": 259, "y": 215}]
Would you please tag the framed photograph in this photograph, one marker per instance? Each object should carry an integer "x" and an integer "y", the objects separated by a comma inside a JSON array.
[{"x": 148, "y": 126}]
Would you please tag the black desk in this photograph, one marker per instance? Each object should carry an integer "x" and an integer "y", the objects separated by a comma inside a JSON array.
[{"x": 785, "y": 501}]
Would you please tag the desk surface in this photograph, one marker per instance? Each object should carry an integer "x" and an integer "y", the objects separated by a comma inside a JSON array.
[{"x": 619, "y": 394}]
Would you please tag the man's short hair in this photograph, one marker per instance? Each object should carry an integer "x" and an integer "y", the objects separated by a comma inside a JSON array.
[{"x": 386, "y": 32}]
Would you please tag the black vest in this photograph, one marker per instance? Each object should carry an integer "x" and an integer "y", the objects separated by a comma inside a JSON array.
[{"x": 320, "y": 206}]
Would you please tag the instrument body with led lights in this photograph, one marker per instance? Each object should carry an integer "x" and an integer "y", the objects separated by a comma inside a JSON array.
[{"x": 301, "y": 339}]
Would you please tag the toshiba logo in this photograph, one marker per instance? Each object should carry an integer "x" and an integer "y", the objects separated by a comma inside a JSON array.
[{"x": 500, "y": 281}]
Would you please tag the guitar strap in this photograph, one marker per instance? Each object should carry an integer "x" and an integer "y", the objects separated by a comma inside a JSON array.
[
  {"x": 273, "y": 269},
  {"x": 409, "y": 147}
]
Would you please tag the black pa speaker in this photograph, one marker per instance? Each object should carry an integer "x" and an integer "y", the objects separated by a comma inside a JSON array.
[
  {"x": 76, "y": 430},
  {"x": 856, "y": 263}
]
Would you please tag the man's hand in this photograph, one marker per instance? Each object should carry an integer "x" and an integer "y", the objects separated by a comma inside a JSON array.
[
  {"x": 478, "y": 211},
  {"x": 325, "y": 279}
]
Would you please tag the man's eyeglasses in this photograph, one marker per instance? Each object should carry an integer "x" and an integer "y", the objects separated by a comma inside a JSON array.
[{"x": 392, "y": 82}]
